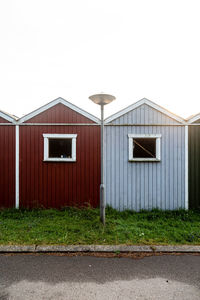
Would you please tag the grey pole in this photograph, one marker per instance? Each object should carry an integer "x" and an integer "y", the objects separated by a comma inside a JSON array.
[
  {"x": 102, "y": 186},
  {"x": 102, "y": 99}
]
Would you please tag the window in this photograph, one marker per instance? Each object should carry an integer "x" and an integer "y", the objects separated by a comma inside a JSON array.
[
  {"x": 60, "y": 147},
  {"x": 144, "y": 147}
]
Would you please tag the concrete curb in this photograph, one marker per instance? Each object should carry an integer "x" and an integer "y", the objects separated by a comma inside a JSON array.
[{"x": 99, "y": 248}]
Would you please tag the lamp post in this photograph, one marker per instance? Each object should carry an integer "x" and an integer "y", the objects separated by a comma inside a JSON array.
[{"x": 102, "y": 99}]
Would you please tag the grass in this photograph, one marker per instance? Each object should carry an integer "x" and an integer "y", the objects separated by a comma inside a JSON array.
[{"x": 82, "y": 226}]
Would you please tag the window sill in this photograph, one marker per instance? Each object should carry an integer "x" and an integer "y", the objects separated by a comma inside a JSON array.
[
  {"x": 144, "y": 160},
  {"x": 59, "y": 160}
]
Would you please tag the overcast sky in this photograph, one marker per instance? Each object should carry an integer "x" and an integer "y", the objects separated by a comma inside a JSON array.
[{"x": 75, "y": 48}]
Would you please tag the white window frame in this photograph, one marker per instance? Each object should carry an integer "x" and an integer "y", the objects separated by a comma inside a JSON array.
[
  {"x": 48, "y": 136},
  {"x": 131, "y": 137}
]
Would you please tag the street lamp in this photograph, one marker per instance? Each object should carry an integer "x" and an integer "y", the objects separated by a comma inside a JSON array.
[{"x": 102, "y": 99}]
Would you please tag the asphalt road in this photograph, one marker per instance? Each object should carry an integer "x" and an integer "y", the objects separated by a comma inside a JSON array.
[{"x": 167, "y": 277}]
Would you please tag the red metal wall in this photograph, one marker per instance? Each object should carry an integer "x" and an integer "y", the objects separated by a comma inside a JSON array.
[
  {"x": 59, "y": 184},
  {"x": 7, "y": 165},
  {"x": 2, "y": 120},
  {"x": 59, "y": 114}
]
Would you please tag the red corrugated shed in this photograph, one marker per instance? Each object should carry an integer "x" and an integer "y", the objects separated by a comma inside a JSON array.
[
  {"x": 59, "y": 184},
  {"x": 7, "y": 163}
]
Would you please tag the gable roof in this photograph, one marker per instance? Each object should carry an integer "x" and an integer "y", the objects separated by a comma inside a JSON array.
[
  {"x": 55, "y": 102},
  {"x": 193, "y": 118},
  {"x": 139, "y": 103},
  {"x": 8, "y": 116}
]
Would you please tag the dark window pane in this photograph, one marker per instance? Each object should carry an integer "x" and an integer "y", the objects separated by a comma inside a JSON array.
[
  {"x": 144, "y": 148},
  {"x": 60, "y": 148}
]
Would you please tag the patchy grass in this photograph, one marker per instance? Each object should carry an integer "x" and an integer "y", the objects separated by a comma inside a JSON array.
[{"x": 82, "y": 226}]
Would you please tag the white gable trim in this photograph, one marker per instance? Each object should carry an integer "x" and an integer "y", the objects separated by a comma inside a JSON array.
[
  {"x": 194, "y": 119},
  {"x": 7, "y": 117},
  {"x": 139, "y": 103},
  {"x": 55, "y": 102}
]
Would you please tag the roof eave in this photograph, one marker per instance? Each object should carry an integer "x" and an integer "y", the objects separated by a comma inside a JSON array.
[
  {"x": 193, "y": 118},
  {"x": 139, "y": 103},
  {"x": 8, "y": 117},
  {"x": 55, "y": 102}
]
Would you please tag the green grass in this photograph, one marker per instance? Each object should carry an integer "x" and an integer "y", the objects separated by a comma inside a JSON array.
[{"x": 82, "y": 226}]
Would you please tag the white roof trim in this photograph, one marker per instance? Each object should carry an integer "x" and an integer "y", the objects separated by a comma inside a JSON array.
[
  {"x": 139, "y": 103},
  {"x": 55, "y": 102},
  {"x": 194, "y": 119},
  {"x": 7, "y": 117}
]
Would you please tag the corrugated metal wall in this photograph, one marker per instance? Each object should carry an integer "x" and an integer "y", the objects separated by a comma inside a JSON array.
[
  {"x": 144, "y": 114},
  {"x": 3, "y": 120},
  {"x": 7, "y": 165},
  {"x": 59, "y": 114},
  {"x": 59, "y": 184},
  {"x": 145, "y": 185},
  {"x": 194, "y": 166}
]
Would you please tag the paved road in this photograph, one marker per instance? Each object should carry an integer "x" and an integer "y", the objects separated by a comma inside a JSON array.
[{"x": 25, "y": 277}]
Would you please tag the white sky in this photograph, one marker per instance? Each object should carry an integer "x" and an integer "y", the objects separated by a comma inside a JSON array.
[{"x": 75, "y": 48}]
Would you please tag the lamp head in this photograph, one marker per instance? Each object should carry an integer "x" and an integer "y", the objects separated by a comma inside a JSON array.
[{"x": 102, "y": 99}]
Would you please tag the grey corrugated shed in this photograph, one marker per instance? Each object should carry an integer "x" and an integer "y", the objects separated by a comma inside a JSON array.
[{"x": 145, "y": 185}]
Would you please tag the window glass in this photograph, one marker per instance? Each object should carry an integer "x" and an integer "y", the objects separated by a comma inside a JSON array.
[
  {"x": 60, "y": 148},
  {"x": 144, "y": 148}
]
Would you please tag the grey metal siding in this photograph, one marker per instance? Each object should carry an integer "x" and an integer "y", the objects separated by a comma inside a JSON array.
[
  {"x": 145, "y": 185},
  {"x": 144, "y": 114}
]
